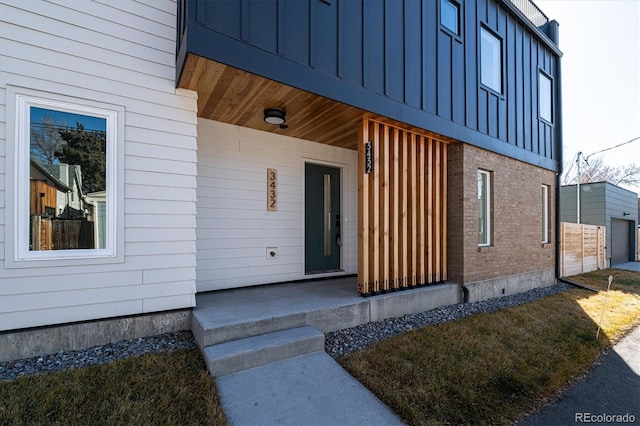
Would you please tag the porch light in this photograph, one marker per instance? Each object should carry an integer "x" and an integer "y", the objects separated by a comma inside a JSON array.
[{"x": 274, "y": 116}]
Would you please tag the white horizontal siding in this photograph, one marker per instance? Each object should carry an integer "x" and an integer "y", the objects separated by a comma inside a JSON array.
[
  {"x": 119, "y": 53},
  {"x": 161, "y": 12},
  {"x": 62, "y": 314},
  {"x": 234, "y": 227}
]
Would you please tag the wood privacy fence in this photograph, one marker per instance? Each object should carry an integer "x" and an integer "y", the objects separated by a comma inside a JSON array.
[
  {"x": 582, "y": 248},
  {"x": 402, "y": 215},
  {"x": 58, "y": 234}
]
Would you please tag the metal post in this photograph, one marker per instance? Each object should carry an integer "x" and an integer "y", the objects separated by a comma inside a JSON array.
[{"x": 578, "y": 187}]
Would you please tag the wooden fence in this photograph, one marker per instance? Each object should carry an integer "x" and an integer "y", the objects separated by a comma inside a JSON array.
[
  {"x": 58, "y": 234},
  {"x": 582, "y": 248},
  {"x": 402, "y": 214}
]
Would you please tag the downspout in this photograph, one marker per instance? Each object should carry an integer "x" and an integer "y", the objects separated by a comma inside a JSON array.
[{"x": 553, "y": 33}]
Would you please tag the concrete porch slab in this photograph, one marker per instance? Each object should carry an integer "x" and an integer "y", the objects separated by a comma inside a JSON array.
[{"x": 326, "y": 305}]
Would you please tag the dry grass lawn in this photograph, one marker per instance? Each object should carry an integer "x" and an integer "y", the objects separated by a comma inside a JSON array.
[
  {"x": 173, "y": 388},
  {"x": 486, "y": 369},
  {"x": 493, "y": 368}
]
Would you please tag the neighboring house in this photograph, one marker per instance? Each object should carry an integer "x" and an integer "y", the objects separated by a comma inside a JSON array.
[
  {"x": 58, "y": 217},
  {"x": 98, "y": 215},
  {"x": 70, "y": 203},
  {"x": 605, "y": 204},
  {"x": 406, "y": 142},
  {"x": 49, "y": 194}
]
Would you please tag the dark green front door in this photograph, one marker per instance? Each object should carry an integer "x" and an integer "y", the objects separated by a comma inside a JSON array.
[{"x": 322, "y": 218}]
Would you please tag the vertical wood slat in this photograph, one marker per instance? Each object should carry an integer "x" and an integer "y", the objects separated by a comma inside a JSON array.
[
  {"x": 429, "y": 213},
  {"x": 420, "y": 213},
  {"x": 436, "y": 210},
  {"x": 385, "y": 237},
  {"x": 412, "y": 184},
  {"x": 375, "y": 244},
  {"x": 363, "y": 214},
  {"x": 405, "y": 211},
  {"x": 443, "y": 196},
  {"x": 402, "y": 209},
  {"x": 396, "y": 242}
]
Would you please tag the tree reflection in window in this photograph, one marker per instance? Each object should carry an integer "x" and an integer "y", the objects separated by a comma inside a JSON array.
[{"x": 68, "y": 158}]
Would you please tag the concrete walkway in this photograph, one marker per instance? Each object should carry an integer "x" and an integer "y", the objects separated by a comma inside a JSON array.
[
  {"x": 307, "y": 390},
  {"x": 628, "y": 266},
  {"x": 611, "y": 389},
  {"x": 314, "y": 390}
]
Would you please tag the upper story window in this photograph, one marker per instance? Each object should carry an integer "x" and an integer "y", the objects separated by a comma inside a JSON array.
[
  {"x": 545, "y": 88},
  {"x": 490, "y": 60},
  {"x": 450, "y": 16},
  {"x": 484, "y": 208},
  {"x": 67, "y": 179}
]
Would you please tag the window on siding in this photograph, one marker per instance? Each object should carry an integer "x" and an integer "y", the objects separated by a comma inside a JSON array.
[
  {"x": 450, "y": 16},
  {"x": 484, "y": 208},
  {"x": 545, "y": 213},
  {"x": 544, "y": 97},
  {"x": 66, "y": 180},
  {"x": 490, "y": 60}
]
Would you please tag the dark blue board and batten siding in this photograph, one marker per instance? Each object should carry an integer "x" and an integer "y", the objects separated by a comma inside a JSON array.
[{"x": 394, "y": 59}]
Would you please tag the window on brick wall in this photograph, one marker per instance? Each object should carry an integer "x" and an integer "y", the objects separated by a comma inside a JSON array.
[
  {"x": 484, "y": 208},
  {"x": 545, "y": 213}
]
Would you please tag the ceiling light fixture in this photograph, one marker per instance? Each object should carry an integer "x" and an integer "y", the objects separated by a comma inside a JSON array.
[{"x": 274, "y": 116}]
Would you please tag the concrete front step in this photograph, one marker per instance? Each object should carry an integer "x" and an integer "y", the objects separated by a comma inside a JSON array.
[
  {"x": 238, "y": 355},
  {"x": 207, "y": 332},
  {"x": 327, "y": 306}
]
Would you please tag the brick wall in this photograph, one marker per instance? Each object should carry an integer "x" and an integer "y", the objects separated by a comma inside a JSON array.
[{"x": 516, "y": 245}]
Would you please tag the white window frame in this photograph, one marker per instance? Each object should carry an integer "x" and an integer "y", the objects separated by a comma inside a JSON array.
[
  {"x": 19, "y": 103},
  {"x": 545, "y": 213},
  {"x": 488, "y": 55},
  {"x": 487, "y": 208},
  {"x": 545, "y": 93}
]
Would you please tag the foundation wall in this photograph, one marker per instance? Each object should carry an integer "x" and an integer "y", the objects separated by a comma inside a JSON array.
[{"x": 77, "y": 336}]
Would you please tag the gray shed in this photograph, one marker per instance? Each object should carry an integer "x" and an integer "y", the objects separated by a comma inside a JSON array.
[{"x": 605, "y": 204}]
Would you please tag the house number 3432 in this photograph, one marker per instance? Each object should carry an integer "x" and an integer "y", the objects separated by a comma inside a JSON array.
[{"x": 272, "y": 189}]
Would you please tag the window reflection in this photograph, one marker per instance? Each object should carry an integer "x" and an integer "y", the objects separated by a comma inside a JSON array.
[
  {"x": 544, "y": 99},
  {"x": 490, "y": 60},
  {"x": 67, "y": 180},
  {"x": 449, "y": 15}
]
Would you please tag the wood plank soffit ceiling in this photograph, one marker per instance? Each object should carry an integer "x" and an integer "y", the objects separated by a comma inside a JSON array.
[{"x": 233, "y": 96}]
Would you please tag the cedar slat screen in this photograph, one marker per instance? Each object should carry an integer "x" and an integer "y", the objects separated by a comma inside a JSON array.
[{"x": 402, "y": 219}]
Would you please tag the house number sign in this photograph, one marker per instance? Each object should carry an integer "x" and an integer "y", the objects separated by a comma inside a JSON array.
[
  {"x": 272, "y": 190},
  {"x": 368, "y": 158}
]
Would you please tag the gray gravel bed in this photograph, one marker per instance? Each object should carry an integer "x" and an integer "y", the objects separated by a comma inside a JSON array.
[
  {"x": 337, "y": 344},
  {"x": 64, "y": 360},
  {"x": 343, "y": 342}
]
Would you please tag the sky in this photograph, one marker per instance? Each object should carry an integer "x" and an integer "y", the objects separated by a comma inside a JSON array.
[
  {"x": 600, "y": 41},
  {"x": 68, "y": 119}
]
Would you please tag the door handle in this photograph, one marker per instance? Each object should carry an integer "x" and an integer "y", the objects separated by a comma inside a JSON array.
[{"x": 327, "y": 215}]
